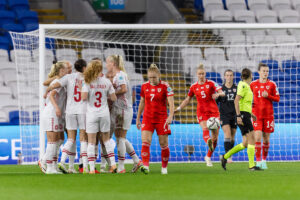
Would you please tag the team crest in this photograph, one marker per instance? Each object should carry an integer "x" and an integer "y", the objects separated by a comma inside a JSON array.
[
  {"x": 159, "y": 90},
  {"x": 268, "y": 87},
  {"x": 207, "y": 86},
  {"x": 234, "y": 90}
]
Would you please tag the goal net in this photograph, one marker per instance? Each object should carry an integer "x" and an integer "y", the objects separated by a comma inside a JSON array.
[{"x": 177, "y": 50}]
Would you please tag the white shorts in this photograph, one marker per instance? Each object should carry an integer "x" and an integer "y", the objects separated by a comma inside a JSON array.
[
  {"x": 121, "y": 118},
  {"x": 97, "y": 124},
  {"x": 53, "y": 124},
  {"x": 74, "y": 121}
]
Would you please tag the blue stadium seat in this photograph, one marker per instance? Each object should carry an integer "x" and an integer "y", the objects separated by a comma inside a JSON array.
[
  {"x": 13, "y": 27},
  {"x": 286, "y": 64},
  {"x": 7, "y": 17},
  {"x": 2, "y": 4},
  {"x": 4, "y": 43},
  {"x": 255, "y": 75},
  {"x": 35, "y": 117},
  {"x": 17, "y": 5},
  {"x": 31, "y": 27},
  {"x": 273, "y": 64},
  {"x": 16, "y": 116},
  {"x": 214, "y": 76},
  {"x": 237, "y": 77},
  {"x": 27, "y": 17}
]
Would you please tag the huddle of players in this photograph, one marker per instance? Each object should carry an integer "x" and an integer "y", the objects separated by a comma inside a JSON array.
[
  {"x": 98, "y": 107},
  {"x": 236, "y": 108}
]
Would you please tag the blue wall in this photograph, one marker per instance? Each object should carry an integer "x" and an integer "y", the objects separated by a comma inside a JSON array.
[{"x": 285, "y": 143}]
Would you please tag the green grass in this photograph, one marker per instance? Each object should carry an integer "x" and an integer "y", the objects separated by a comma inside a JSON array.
[{"x": 184, "y": 181}]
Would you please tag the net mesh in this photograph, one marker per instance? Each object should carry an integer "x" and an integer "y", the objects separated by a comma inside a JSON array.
[{"x": 177, "y": 53}]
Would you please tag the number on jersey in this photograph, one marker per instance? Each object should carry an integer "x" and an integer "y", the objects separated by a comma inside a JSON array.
[
  {"x": 77, "y": 94},
  {"x": 98, "y": 96}
]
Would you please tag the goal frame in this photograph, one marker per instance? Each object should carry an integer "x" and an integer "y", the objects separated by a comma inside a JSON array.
[{"x": 44, "y": 27}]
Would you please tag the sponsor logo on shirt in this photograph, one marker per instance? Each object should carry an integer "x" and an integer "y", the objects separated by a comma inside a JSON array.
[
  {"x": 152, "y": 90},
  {"x": 147, "y": 90},
  {"x": 261, "y": 86},
  {"x": 268, "y": 87},
  {"x": 202, "y": 87}
]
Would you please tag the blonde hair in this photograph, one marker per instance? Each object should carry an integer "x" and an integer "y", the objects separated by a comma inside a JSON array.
[
  {"x": 54, "y": 71},
  {"x": 153, "y": 68},
  {"x": 200, "y": 67},
  {"x": 118, "y": 61},
  {"x": 92, "y": 71}
]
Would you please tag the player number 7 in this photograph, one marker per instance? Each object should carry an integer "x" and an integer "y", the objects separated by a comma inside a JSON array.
[{"x": 152, "y": 96}]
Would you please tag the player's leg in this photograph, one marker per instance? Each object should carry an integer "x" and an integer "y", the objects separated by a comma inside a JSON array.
[
  {"x": 83, "y": 149},
  {"x": 265, "y": 147},
  {"x": 258, "y": 137},
  {"x": 92, "y": 128},
  {"x": 147, "y": 132},
  {"x": 51, "y": 152},
  {"x": 165, "y": 152},
  {"x": 121, "y": 139},
  {"x": 105, "y": 132},
  {"x": 233, "y": 132},
  {"x": 104, "y": 157},
  {"x": 68, "y": 151},
  {"x": 206, "y": 135}
]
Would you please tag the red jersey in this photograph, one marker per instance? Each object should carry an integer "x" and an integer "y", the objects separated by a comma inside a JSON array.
[
  {"x": 156, "y": 101},
  {"x": 262, "y": 107},
  {"x": 206, "y": 104}
]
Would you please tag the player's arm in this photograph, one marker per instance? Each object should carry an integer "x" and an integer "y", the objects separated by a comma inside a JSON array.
[
  {"x": 171, "y": 109},
  {"x": 273, "y": 96},
  {"x": 185, "y": 102},
  {"x": 49, "y": 80},
  {"x": 237, "y": 109},
  {"x": 52, "y": 87},
  {"x": 52, "y": 100},
  {"x": 113, "y": 97},
  {"x": 84, "y": 96},
  {"x": 133, "y": 96},
  {"x": 140, "y": 110},
  {"x": 123, "y": 90}
]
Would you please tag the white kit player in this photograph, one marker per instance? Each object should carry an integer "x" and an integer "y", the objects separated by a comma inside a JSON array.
[
  {"x": 52, "y": 120},
  {"x": 122, "y": 112},
  {"x": 75, "y": 117},
  {"x": 96, "y": 90}
]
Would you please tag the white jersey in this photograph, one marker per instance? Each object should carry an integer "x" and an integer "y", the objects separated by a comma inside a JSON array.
[
  {"x": 98, "y": 92},
  {"x": 75, "y": 105},
  {"x": 125, "y": 100},
  {"x": 60, "y": 99}
]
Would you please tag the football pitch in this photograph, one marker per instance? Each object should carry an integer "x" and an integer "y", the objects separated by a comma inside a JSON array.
[{"x": 184, "y": 181}]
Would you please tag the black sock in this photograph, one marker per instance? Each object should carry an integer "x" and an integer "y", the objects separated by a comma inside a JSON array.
[
  {"x": 227, "y": 144},
  {"x": 232, "y": 144}
]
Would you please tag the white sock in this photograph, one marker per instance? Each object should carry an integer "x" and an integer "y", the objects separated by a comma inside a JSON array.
[
  {"x": 72, "y": 156},
  {"x": 110, "y": 152},
  {"x": 83, "y": 153},
  {"x": 131, "y": 152},
  {"x": 104, "y": 158},
  {"x": 67, "y": 150},
  {"x": 91, "y": 156},
  {"x": 121, "y": 152},
  {"x": 51, "y": 153}
]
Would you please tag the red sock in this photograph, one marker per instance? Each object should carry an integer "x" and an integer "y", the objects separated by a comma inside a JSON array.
[
  {"x": 206, "y": 135},
  {"x": 258, "y": 151},
  {"x": 165, "y": 154},
  {"x": 145, "y": 153},
  {"x": 209, "y": 153},
  {"x": 265, "y": 148}
]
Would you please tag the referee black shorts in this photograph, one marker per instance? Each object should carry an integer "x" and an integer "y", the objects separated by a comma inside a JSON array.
[
  {"x": 247, "y": 127},
  {"x": 228, "y": 120}
]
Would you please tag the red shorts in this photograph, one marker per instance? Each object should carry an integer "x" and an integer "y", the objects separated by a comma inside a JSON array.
[
  {"x": 264, "y": 125},
  {"x": 161, "y": 128},
  {"x": 204, "y": 117}
]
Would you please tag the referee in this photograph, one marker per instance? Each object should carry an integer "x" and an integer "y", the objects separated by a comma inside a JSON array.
[
  {"x": 227, "y": 111},
  {"x": 243, "y": 107}
]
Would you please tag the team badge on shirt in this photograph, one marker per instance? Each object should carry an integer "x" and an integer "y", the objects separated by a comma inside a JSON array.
[
  {"x": 234, "y": 90},
  {"x": 207, "y": 86},
  {"x": 159, "y": 89}
]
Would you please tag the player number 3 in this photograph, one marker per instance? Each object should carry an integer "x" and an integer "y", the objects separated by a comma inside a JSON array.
[{"x": 98, "y": 98}]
